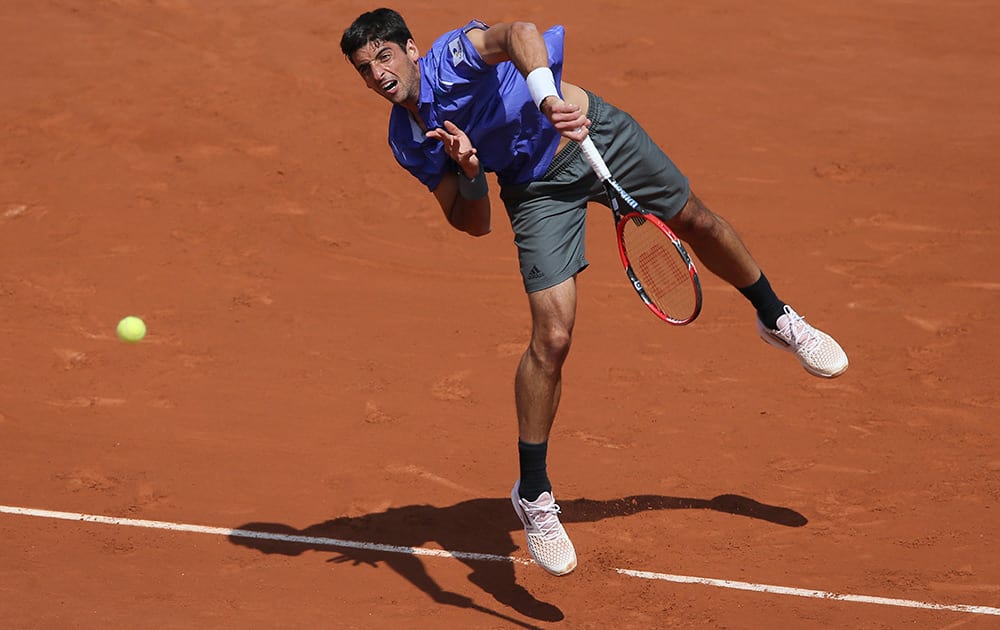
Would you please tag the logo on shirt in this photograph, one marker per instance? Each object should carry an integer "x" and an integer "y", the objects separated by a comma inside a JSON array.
[{"x": 455, "y": 48}]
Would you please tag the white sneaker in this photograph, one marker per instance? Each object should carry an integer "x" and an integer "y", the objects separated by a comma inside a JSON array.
[
  {"x": 817, "y": 351},
  {"x": 547, "y": 540}
]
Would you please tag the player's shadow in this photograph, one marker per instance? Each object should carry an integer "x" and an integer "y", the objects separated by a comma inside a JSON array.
[{"x": 477, "y": 526}]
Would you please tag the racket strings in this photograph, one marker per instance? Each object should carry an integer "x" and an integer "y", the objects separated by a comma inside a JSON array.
[{"x": 660, "y": 267}]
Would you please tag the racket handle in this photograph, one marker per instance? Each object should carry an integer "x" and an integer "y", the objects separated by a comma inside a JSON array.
[{"x": 594, "y": 157}]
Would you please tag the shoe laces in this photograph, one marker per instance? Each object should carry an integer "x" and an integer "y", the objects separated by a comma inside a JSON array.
[
  {"x": 544, "y": 518},
  {"x": 799, "y": 333}
]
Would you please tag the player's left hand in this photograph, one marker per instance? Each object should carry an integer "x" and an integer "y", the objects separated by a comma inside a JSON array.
[{"x": 458, "y": 147}]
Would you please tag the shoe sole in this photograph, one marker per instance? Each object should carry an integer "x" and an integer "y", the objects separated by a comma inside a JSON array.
[{"x": 560, "y": 574}]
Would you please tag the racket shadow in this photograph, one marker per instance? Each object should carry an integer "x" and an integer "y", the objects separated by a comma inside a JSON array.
[
  {"x": 589, "y": 510},
  {"x": 476, "y": 526}
]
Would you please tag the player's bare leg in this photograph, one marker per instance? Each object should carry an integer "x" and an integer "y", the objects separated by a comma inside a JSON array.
[
  {"x": 538, "y": 382},
  {"x": 715, "y": 242},
  {"x": 721, "y": 250},
  {"x": 537, "y": 388}
]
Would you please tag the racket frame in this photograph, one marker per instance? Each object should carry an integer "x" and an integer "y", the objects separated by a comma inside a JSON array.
[{"x": 615, "y": 194}]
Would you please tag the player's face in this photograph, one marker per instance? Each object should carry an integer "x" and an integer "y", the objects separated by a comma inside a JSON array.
[{"x": 390, "y": 71}]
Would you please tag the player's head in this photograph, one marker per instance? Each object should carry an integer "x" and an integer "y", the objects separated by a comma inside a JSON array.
[
  {"x": 383, "y": 25},
  {"x": 380, "y": 47}
]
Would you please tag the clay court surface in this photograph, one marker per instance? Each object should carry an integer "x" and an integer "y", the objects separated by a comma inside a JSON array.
[{"x": 327, "y": 359}]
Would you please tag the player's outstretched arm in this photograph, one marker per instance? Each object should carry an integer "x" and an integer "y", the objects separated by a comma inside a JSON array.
[
  {"x": 522, "y": 44},
  {"x": 518, "y": 42}
]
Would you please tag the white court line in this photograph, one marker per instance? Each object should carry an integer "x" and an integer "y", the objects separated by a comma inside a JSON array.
[
  {"x": 246, "y": 533},
  {"x": 462, "y": 555},
  {"x": 801, "y": 592}
]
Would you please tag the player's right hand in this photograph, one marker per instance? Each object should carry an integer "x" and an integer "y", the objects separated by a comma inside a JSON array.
[{"x": 568, "y": 119}]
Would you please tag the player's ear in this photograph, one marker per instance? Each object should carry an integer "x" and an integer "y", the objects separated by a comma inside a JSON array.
[{"x": 411, "y": 50}]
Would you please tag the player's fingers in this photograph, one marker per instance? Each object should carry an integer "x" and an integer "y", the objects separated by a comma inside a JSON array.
[
  {"x": 436, "y": 134},
  {"x": 575, "y": 118},
  {"x": 574, "y": 130},
  {"x": 453, "y": 129}
]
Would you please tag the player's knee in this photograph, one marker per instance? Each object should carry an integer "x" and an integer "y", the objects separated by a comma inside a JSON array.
[
  {"x": 550, "y": 346},
  {"x": 695, "y": 220}
]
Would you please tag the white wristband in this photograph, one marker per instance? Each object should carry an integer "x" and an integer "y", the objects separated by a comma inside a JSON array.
[{"x": 541, "y": 84}]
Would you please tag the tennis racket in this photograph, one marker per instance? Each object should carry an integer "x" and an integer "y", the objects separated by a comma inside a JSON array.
[{"x": 657, "y": 265}]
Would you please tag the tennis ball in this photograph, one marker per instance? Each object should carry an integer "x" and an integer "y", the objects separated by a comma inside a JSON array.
[{"x": 131, "y": 329}]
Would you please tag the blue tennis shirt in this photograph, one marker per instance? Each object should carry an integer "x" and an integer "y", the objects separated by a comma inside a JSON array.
[{"x": 491, "y": 104}]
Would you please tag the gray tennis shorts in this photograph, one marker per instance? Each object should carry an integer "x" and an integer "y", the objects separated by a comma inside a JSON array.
[{"x": 548, "y": 216}]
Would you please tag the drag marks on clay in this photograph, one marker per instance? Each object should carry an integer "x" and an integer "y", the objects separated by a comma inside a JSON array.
[
  {"x": 952, "y": 412},
  {"x": 868, "y": 272},
  {"x": 15, "y": 210},
  {"x": 824, "y": 387},
  {"x": 908, "y": 250},
  {"x": 62, "y": 291},
  {"x": 83, "y": 402},
  {"x": 852, "y": 171},
  {"x": 946, "y": 587},
  {"x": 841, "y": 514},
  {"x": 373, "y": 383},
  {"x": 791, "y": 465},
  {"x": 628, "y": 378},
  {"x": 453, "y": 388},
  {"x": 134, "y": 494},
  {"x": 147, "y": 496},
  {"x": 927, "y": 325},
  {"x": 376, "y": 415},
  {"x": 88, "y": 479},
  {"x": 172, "y": 5},
  {"x": 412, "y": 470},
  {"x": 289, "y": 208},
  {"x": 189, "y": 361},
  {"x": 844, "y": 470},
  {"x": 250, "y": 297},
  {"x": 947, "y": 342},
  {"x": 889, "y": 222},
  {"x": 71, "y": 358},
  {"x": 597, "y": 440},
  {"x": 984, "y": 286},
  {"x": 162, "y": 403}
]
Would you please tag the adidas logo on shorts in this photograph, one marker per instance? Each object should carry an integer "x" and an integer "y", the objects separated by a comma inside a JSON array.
[{"x": 535, "y": 273}]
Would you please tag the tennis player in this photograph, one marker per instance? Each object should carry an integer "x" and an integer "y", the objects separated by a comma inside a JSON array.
[{"x": 491, "y": 99}]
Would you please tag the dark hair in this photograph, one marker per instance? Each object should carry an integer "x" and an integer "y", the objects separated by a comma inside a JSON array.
[{"x": 383, "y": 25}]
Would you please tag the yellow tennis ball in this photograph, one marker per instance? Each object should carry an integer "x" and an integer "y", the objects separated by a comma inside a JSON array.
[{"x": 131, "y": 329}]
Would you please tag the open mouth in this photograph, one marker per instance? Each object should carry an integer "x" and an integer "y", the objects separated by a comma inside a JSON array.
[{"x": 389, "y": 85}]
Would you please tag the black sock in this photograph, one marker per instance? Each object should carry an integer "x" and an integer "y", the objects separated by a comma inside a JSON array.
[
  {"x": 762, "y": 296},
  {"x": 534, "y": 479}
]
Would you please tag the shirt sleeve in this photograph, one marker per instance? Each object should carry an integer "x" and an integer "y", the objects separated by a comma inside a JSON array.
[
  {"x": 555, "y": 39},
  {"x": 462, "y": 62},
  {"x": 457, "y": 62}
]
